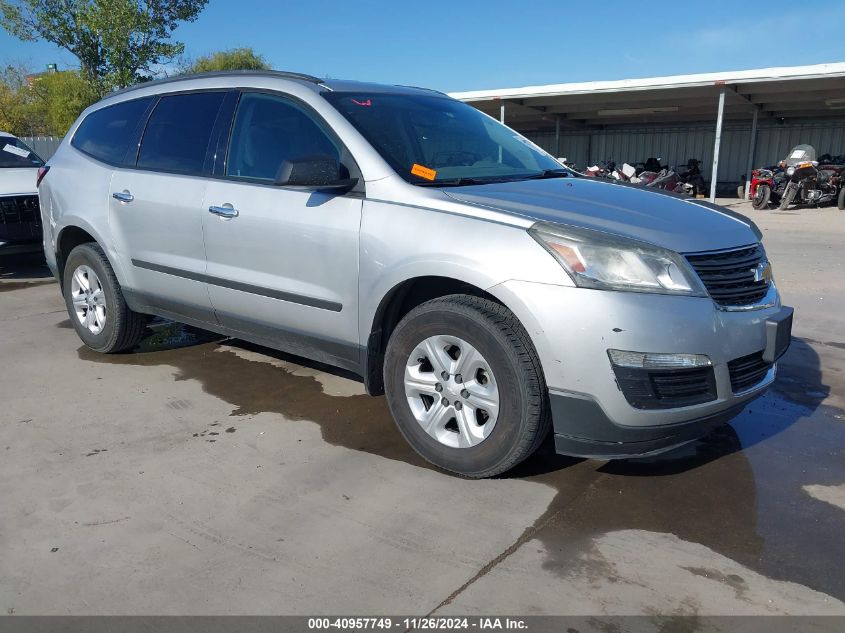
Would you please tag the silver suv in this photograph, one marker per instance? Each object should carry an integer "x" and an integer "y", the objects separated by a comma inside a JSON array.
[{"x": 491, "y": 293}]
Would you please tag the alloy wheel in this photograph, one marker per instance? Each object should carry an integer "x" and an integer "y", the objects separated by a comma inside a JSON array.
[
  {"x": 89, "y": 299},
  {"x": 452, "y": 391}
]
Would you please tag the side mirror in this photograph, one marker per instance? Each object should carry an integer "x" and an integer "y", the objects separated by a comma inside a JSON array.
[{"x": 314, "y": 173}]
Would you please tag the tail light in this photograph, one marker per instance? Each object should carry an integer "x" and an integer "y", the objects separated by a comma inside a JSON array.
[{"x": 42, "y": 171}]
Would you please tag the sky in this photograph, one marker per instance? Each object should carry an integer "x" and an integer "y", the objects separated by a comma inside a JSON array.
[{"x": 468, "y": 45}]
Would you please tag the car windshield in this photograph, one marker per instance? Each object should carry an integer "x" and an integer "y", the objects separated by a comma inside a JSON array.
[
  {"x": 15, "y": 153},
  {"x": 431, "y": 139}
]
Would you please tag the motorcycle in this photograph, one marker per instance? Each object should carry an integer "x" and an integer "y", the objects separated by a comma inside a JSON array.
[
  {"x": 670, "y": 180},
  {"x": 808, "y": 182},
  {"x": 692, "y": 177},
  {"x": 767, "y": 185}
]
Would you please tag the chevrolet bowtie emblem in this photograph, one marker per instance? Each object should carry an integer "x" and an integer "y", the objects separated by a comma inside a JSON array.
[{"x": 762, "y": 272}]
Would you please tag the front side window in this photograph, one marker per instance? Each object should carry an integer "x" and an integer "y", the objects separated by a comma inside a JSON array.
[
  {"x": 178, "y": 132},
  {"x": 431, "y": 138},
  {"x": 270, "y": 130},
  {"x": 15, "y": 153},
  {"x": 106, "y": 133}
]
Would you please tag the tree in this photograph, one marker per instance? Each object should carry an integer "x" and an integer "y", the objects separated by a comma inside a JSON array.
[
  {"x": 60, "y": 97},
  {"x": 39, "y": 104},
  {"x": 234, "y": 59},
  {"x": 18, "y": 114},
  {"x": 117, "y": 42}
]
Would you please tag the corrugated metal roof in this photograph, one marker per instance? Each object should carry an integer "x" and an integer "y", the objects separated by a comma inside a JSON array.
[{"x": 781, "y": 73}]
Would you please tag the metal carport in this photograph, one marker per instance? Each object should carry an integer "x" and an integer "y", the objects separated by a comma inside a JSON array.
[{"x": 716, "y": 115}]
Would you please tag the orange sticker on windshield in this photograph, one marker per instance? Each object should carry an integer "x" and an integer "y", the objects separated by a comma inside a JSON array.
[{"x": 423, "y": 172}]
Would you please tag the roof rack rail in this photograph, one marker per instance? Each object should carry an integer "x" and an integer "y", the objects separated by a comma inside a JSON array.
[{"x": 282, "y": 74}]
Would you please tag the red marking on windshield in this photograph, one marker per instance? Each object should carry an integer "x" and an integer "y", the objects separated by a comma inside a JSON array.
[{"x": 366, "y": 103}]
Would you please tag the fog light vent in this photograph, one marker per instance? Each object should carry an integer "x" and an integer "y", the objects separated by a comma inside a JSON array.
[{"x": 663, "y": 381}]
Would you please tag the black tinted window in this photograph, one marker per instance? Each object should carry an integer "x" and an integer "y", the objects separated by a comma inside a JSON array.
[
  {"x": 107, "y": 133},
  {"x": 177, "y": 134},
  {"x": 269, "y": 130}
]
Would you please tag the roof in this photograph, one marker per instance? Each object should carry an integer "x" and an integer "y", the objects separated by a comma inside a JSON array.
[
  {"x": 780, "y": 92},
  {"x": 780, "y": 73},
  {"x": 331, "y": 84}
]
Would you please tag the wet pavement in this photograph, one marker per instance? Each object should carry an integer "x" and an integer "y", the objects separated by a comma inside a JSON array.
[{"x": 206, "y": 475}]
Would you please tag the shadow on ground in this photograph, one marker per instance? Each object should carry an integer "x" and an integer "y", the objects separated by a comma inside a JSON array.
[{"x": 737, "y": 491}]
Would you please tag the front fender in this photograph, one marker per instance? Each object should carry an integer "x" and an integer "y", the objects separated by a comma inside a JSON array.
[{"x": 400, "y": 243}]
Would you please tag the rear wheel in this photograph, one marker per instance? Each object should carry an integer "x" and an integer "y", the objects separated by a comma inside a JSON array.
[
  {"x": 95, "y": 303},
  {"x": 761, "y": 197},
  {"x": 465, "y": 386},
  {"x": 840, "y": 201}
]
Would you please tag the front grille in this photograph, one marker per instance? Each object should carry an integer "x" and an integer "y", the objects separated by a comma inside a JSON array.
[
  {"x": 748, "y": 371},
  {"x": 20, "y": 218},
  {"x": 730, "y": 277},
  {"x": 665, "y": 389}
]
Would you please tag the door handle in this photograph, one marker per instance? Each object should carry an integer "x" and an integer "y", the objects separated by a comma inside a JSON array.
[
  {"x": 224, "y": 211},
  {"x": 123, "y": 196}
]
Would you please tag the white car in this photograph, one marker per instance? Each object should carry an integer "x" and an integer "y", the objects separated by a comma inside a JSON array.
[{"x": 20, "y": 215}]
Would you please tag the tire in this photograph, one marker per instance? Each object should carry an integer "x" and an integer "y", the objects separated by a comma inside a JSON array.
[
  {"x": 761, "y": 197},
  {"x": 788, "y": 197},
  {"x": 112, "y": 326},
  {"x": 840, "y": 201},
  {"x": 493, "y": 338}
]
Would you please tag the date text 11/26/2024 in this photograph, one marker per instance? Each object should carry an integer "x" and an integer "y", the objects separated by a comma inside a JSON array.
[{"x": 413, "y": 623}]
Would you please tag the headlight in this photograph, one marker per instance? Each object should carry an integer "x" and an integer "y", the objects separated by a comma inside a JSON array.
[
  {"x": 790, "y": 170},
  {"x": 596, "y": 260}
]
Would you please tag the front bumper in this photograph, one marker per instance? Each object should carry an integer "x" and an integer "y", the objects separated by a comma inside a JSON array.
[
  {"x": 572, "y": 329},
  {"x": 582, "y": 429}
]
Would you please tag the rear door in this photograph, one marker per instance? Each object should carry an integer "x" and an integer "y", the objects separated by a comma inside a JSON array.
[
  {"x": 283, "y": 263},
  {"x": 156, "y": 205}
]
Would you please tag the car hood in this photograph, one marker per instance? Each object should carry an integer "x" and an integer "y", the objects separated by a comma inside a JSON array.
[
  {"x": 681, "y": 224},
  {"x": 17, "y": 180}
]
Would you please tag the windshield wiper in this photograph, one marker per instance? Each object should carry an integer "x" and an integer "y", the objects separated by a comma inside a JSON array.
[
  {"x": 456, "y": 182},
  {"x": 551, "y": 173}
]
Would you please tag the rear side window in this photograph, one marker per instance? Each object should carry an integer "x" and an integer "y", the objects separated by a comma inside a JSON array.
[
  {"x": 269, "y": 130},
  {"x": 107, "y": 133},
  {"x": 177, "y": 133}
]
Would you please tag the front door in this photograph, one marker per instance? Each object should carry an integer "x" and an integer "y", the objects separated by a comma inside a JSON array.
[{"x": 282, "y": 263}]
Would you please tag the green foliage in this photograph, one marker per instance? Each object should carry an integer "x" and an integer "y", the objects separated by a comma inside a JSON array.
[
  {"x": 234, "y": 59},
  {"x": 18, "y": 112},
  {"x": 61, "y": 97},
  {"x": 117, "y": 42},
  {"x": 47, "y": 104}
]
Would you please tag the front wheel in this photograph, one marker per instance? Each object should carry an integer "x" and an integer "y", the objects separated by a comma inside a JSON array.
[
  {"x": 840, "y": 201},
  {"x": 95, "y": 303},
  {"x": 761, "y": 197},
  {"x": 788, "y": 196},
  {"x": 465, "y": 386}
]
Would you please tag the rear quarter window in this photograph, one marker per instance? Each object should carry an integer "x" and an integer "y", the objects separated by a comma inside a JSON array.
[{"x": 107, "y": 133}]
